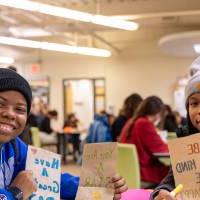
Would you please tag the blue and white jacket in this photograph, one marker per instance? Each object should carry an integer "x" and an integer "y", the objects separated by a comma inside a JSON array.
[
  {"x": 99, "y": 130},
  {"x": 13, "y": 160}
]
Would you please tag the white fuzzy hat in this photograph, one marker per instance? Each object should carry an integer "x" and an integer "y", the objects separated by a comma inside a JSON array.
[
  {"x": 195, "y": 66},
  {"x": 193, "y": 86}
]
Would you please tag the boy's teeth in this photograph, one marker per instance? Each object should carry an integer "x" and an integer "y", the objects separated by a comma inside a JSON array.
[{"x": 6, "y": 127}]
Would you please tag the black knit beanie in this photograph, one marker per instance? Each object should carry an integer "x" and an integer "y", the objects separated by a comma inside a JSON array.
[{"x": 11, "y": 80}]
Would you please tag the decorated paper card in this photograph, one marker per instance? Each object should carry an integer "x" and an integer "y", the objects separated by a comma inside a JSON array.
[
  {"x": 94, "y": 193},
  {"x": 46, "y": 167},
  {"x": 98, "y": 168},
  {"x": 185, "y": 158}
]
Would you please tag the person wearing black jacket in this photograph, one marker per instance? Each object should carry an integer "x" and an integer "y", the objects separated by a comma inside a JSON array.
[
  {"x": 130, "y": 105},
  {"x": 192, "y": 102}
]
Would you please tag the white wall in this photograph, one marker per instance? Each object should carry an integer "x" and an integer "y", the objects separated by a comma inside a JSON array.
[{"x": 140, "y": 68}]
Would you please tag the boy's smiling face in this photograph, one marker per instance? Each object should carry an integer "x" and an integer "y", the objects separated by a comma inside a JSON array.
[
  {"x": 194, "y": 110},
  {"x": 13, "y": 115}
]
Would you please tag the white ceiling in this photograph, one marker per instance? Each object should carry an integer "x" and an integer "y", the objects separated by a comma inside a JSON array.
[
  {"x": 180, "y": 44},
  {"x": 157, "y": 18}
]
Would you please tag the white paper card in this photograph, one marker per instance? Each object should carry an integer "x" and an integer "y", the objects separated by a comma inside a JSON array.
[{"x": 46, "y": 167}]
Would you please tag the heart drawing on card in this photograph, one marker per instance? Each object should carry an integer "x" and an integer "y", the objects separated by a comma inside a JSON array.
[{"x": 34, "y": 151}]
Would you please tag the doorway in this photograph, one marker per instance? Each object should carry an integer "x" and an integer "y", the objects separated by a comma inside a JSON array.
[{"x": 84, "y": 97}]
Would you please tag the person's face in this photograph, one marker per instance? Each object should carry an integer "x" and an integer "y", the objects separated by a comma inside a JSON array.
[
  {"x": 13, "y": 115},
  {"x": 194, "y": 110}
]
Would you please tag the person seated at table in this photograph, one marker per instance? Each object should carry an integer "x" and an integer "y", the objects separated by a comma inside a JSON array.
[
  {"x": 129, "y": 107},
  {"x": 71, "y": 124},
  {"x": 141, "y": 131},
  {"x": 100, "y": 129},
  {"x": 181, "y": 121},
  {"x": 47, "y": 133},
  {"x": 170, "y": 123},
  {"x": 72, "y": 133}
]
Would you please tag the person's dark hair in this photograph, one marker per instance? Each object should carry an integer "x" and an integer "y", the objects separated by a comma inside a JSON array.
[
  {"x": 130, "y": 105},
  {"x": 167, "y": 114},
  {"x": 150, "y": 106},
  {"x": 168, "y": 109},
  {"x": 69, "y": 116},
  {"x": 53, "y": 113}
]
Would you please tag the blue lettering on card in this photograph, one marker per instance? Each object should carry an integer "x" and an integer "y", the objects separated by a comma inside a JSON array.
[{"x": 44, "y": 172}]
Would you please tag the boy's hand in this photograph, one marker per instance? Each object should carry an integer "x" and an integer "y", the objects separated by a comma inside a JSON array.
[
  {"x": 119, "y": 186},
  {"x": 165, "y": 195},
  {"x": 25, "y": 182}
]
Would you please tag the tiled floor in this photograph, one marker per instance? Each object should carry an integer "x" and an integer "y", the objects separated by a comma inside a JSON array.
[{"x": 72, "y": 168}]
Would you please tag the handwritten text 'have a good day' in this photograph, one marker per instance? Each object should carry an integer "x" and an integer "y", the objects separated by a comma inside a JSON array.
[{"x": 46, "y": 165}]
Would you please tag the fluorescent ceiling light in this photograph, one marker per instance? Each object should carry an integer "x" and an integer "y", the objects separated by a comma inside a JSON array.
[
  {"x": 197, "y": 48},
  {"x": 55, "y": 47},
  {"x": 70, "y": 14},
  {"x": 6, "y": 60},
  {"x": 28, "y": 32}
]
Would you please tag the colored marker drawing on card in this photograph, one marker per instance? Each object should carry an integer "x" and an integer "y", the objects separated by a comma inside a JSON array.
[
  {"x": 94, "y": 193},
  {"x": 46, "y": 167}
]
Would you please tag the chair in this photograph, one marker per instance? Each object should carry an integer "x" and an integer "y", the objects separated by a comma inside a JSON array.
[
  {"x": 36, "y": 139},
  {"x": 171, "y": 135},
  {"x": 128, "y": 164},
  {"x": 35, "y": 136}
]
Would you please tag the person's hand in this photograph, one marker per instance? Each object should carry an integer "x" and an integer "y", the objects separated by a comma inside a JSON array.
[
  {"x": 165, "y": 195},
  {"x": 119, "y": 186},
  {"x": 25, "y": 182}
]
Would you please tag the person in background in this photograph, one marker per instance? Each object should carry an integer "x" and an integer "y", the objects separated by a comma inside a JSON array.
[
  {"x": 26, "y": 135},
  {"x": 99, "y": 130},
  {"x": 141, "y": 131},
  {"x": 72, "y": 133},
  {"x": 170, "y": 123},
  {"x": 71, "y": 123},
  {"x": 180, "y": 121},
  {"x": 47, "y": 134},
  {"x": 111, "y": 117},
  {"x": 192, "y": 103},
  {"x": 45, "y": 125},
  {"x": 16, "y": 182},
  {"x": 130, "y": 105}
]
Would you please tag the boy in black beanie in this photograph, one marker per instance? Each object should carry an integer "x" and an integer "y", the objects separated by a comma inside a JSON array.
[{"x": 15, "y": 181}]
